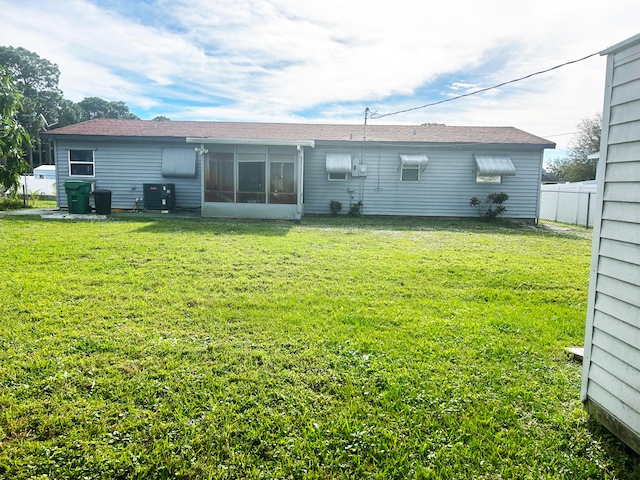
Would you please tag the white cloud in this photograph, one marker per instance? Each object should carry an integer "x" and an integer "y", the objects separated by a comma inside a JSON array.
[{"x": 267, "y": 60}]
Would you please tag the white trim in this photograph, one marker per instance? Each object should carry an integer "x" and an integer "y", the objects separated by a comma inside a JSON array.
[
  {"x": 251, "y": 141},
  {"x": 625, "y": 43},
  {"x": 76, "y": 162}
]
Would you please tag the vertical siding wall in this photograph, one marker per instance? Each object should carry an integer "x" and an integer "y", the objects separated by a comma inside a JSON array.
[
  {"x": 611, "y": 371},
  {"x": 445, "y": 187},
  {"x": 123, "y": 168}
]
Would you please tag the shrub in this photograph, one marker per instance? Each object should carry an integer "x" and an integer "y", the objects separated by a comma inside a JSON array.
[
  {"x": 12, "y": 202},
  {"x": 335, "y": 207},
  {"x": 491, "y": 207},
  {"x": 355, "y": 210}
]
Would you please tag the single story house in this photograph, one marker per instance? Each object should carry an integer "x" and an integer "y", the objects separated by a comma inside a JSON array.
[
  {"x": 611, "y": 365},
  {"x": 282, "y": 171}
]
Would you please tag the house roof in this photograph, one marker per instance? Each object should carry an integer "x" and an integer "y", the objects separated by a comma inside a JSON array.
[{"x": 289, "y": 132}]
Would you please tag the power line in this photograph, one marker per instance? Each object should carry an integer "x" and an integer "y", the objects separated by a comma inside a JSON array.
[
  {"x": 375, "y": 115},
  {"x": 560, "y": 134}
]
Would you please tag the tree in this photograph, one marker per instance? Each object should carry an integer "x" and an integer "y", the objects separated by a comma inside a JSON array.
[
  {"x": 37, "y": 80},
  {"x": 160, "y": 118},
  {"x": 578, "y": 167},
  {"x": 70, "y": 113},
  {"x": 13, "y": 136},
  {"x": 96, "y": 107}
]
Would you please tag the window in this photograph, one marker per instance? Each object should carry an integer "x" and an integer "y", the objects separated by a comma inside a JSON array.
[
  {"x": 488, "y": 179},
  {"x": 337, "y": 176},
  {"x": 411, "y": 166},
  {"x": 338, "y": 165},
  {"x": 282, "y": 184},
  {"x": 81, "y": 163},
  {"x": 491, "y": 168},
  {"x": 219, "y": 177},
  {"x": 410, "y": 174}
]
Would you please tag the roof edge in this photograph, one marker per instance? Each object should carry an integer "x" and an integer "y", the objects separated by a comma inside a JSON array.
[{"x": 625, "y": 43}]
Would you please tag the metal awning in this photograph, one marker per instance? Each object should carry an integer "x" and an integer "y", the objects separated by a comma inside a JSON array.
[
  {"x": 420, "y": 160},
  {"x": 338, "y": 162},
  {"x": 179, "y": 162},
  {"x": 494, "y": 165}
]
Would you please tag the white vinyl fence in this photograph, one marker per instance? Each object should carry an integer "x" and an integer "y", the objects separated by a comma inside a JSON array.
[
  {"x": 573, "y": 203},
  {"x": 39, "y": 186}
]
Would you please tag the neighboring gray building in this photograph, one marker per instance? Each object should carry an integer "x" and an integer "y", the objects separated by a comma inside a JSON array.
[
  {"x": 611, "y": 365},
  {"x": 274, "y": 170}
]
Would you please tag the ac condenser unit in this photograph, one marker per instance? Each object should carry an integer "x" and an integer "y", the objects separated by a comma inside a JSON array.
[{"x": 159, "y": 196}]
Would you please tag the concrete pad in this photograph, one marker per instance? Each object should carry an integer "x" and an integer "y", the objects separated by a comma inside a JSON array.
[
  {"x": 577, "y": 352},
  {"x": 73, "y": 216}
]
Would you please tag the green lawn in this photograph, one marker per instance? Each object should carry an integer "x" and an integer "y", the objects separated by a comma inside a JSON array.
[{"x": 336, "y": 348}]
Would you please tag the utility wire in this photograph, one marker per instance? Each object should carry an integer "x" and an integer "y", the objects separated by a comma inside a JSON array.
[{"x": 375, "y": 115}]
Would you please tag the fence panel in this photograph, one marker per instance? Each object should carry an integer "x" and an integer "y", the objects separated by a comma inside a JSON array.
[{"x": 574, "y": 207}]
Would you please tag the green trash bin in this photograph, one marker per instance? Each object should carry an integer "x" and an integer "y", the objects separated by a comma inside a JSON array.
[{"x": 78, "y": 195}]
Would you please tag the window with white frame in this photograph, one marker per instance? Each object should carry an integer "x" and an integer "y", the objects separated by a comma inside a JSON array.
[
  {"x": 488, "y": 178},
  {"x": 491, "y": 168},
  {"x": 411, "y": 166},
  {"x": 81, "y": 163},
  {"x": 338, "y": 166}
]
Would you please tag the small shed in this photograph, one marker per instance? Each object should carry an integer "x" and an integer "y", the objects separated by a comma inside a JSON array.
[
  {"x": 45, "y": 172},
  {"x": 611, "y": 366}
]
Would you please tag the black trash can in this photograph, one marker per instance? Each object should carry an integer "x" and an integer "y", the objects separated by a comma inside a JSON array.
[{"x": 102, "y": 200}]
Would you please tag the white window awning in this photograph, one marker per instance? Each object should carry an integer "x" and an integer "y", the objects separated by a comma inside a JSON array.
[
  {"x": 420, "y": 160},
  {"x": 494, "y": 165},
  {"x": 338, "y": 162}
]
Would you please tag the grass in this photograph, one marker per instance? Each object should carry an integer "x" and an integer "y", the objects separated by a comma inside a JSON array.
[{"x": 337, "y": 348}]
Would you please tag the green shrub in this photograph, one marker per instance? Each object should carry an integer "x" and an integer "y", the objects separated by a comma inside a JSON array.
[
  {"x": 12, "y": 202},
  {"x": 335, "y": 207},
  {"x": 355, "y": 210},
  {"x": 491, "y": 207}
]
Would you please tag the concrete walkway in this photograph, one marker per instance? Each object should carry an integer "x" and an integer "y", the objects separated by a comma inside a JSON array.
[{"x": 56, "y": 213}]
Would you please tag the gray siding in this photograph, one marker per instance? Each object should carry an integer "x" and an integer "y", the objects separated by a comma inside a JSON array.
[
  {"x": 445, "y": 187},
  {"x": 611, "y": 369},
  {"x": 123, "y": 168}
]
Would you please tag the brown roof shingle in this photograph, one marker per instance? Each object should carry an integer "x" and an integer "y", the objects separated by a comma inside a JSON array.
[{"x": 106, "y": 127}]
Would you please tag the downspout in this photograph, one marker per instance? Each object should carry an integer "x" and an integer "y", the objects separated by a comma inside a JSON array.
[
  {"x": 55, "y": 159},
  {"x": 539, "y": 194},
  {"x": 364, "y": 152},
  {"x": 300, "y": 184}
]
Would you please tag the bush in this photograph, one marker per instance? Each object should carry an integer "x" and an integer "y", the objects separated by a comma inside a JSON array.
[
  {"x": 12, "y": 202},
  {"x": 335, "y": 207},
  {"x": 355, "y": 210},
  {"x": 491, "y": 207}
]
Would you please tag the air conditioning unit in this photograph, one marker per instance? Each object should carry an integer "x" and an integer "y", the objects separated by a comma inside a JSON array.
[{"x": 159, "y": 196}]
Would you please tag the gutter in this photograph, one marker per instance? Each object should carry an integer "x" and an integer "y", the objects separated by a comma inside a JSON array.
[{"x": 251, "y": 141}]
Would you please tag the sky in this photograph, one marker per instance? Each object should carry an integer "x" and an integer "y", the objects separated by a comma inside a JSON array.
[{"x": 326, "y": 61}]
